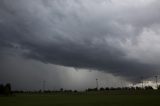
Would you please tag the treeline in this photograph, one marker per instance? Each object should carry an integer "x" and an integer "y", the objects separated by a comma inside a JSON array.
[
  {"x": 47, "y": 91},
  {"x": 122, "y": 88},
  {"x": 5, "y": 89},
  {"x": 90, "y": 90}
]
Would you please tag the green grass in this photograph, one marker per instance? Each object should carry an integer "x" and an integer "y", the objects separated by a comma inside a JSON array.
[{"x": 90, "y": 99}]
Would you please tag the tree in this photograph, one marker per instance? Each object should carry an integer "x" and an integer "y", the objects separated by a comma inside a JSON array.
[
  {"x": 5, "y": 90},
  {"x": 61, "y": 90},
  {"x": 158, "y": 87},
  {"x": 148, "y": 88},
  {"x": 1, "y": 89}
]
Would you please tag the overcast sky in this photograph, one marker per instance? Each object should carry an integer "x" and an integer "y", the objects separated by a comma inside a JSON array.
[{"x": 70, "y": 43}]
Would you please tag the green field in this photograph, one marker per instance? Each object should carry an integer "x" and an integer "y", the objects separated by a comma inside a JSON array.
[{"x": 82, "y": 99}]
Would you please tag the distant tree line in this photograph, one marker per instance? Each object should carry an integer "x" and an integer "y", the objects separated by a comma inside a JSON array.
[
  {"x": 123, "y": 88},
  {"x": 47, "y": 91},
  {"x": 5, "y": 89},
  {"x": 61, "y": 90}
]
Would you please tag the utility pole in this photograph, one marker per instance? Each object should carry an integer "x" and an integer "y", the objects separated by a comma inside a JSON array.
[
  {"x": 97, "y": 83},
  {"x": 142, "y": 82},
  {"x": 44, "y": 85},
  {"x": 122, "y": 84},
  {"x": 156, "y": 81}
]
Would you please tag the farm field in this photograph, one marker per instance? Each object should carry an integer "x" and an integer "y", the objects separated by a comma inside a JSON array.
[{"x": 83, "y": 99}]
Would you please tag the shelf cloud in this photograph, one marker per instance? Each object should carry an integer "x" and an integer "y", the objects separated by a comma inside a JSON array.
[{"x": 117, "y": 37}]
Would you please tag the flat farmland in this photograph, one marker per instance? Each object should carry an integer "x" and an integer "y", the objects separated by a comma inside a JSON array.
[{"x": 114, "y": 98}]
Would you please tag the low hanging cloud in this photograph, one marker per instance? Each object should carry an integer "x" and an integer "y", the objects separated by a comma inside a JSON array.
[{"x": 117, "y": 37}]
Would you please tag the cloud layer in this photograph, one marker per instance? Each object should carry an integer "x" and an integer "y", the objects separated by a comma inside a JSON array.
[{"x": 121, "y": 38}]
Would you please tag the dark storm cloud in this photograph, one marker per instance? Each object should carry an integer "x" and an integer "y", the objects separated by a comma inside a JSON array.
[{"x": 81, "y": 34}]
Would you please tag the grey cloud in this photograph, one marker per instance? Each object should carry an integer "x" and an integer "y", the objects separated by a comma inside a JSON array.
[
  {"x": 25, "y": 74},
  {"x": 81, "y": 34}
]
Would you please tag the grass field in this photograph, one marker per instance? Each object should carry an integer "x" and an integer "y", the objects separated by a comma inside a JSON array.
[{"x": 83, "y": 99}]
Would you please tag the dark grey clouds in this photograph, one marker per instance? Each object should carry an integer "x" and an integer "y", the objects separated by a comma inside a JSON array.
[{"x": 116, "y": 37}]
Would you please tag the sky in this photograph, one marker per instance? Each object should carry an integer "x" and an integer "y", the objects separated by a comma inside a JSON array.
[{"x": 71, "y": 43}]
